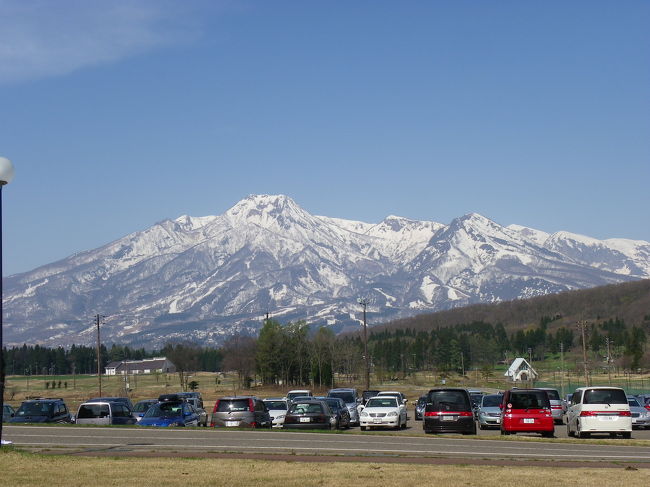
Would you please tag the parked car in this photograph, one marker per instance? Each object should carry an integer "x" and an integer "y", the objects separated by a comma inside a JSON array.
[
  {"x": 291, "y": 395},
  {"x": 312, "y": 414},
  {"x": 193, "y": 395},
  {"x": 46, "y": 410},
  {"x": 558, "y": 407},
  {"x": 489, "y": 411},
  {"x": 124, "y": 400},
  {"x": 240, "y": 411},
  {"x": 475, "y": 397},
  {"x": 171, "y": 412},
  {"x": 383, "y": 411},
  {"x": 141, "y": 407},
  {"x": 277, "y": 407},
  {"x": 351, "y": 399},
  {"x": 197, "y": 404},
  {"x": 640, "y": 415},
  {"x": 527, "y": 411},
  {"x": 340, "y": 411},
  {"x": 419, "y": 407},
  {"x": 449, "y": 410},
  {"x": 8, "y": 412},
  {"x": 400, "y": 396},
  {"x": 104, "y": 413},
  {"x": 599, "y": 410}
]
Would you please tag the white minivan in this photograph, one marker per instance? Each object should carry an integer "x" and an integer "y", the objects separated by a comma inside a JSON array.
[{"x": 599, "y": 410}]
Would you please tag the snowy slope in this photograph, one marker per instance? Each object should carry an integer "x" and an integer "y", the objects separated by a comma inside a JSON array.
[{"x": 204, "y": 277}]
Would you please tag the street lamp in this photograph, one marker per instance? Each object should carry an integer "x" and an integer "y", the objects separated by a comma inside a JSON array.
[
  {"x": 364, "y": 303},
  {"x": 6, "y": 175}
]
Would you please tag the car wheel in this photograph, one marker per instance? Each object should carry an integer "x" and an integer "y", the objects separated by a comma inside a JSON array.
[
  {"x": 547, "y": 434},
  {"x": 627, "y": 435},
  {"x": 581, "y": 434},
  {"x": 480, "y": 426},
  {"x": 363, "y": 428}
]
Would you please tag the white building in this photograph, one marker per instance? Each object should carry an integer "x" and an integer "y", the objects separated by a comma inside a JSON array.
[
  {"x": 521, "y": 371},
  {"x": 146, "y": 366}
]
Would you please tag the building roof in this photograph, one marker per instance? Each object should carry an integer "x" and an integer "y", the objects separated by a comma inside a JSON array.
[{"x": 518, "y": 364}]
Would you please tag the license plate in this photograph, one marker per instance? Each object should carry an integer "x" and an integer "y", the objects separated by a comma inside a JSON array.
[
  {"x": 529, "y": 420},
  {"x": 448, "y": 418},
  {"x": 498, "y": 421},
  {"x": 606, "y": 418},
  {"x": 376, "y": 420},
  {"x": 305, "y": 420},
  {"x": 232, "y": 423}
]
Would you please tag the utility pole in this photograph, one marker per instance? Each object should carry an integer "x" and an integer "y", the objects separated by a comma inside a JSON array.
[
  {"x": 99, "y": 363},
  {"x": 608, "y": 342},
  {"x": 364, "y": 303},
  {"x": 562, "y": 370},
  {"x": 583, "y": 325}
]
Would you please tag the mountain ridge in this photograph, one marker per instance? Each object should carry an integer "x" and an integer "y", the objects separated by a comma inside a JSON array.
[{"x": 207, "y": 277}]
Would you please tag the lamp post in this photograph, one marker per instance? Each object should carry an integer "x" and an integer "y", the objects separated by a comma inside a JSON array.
[
  {"x": 6, "y": 175},
  {"x": 364, "y": 303}
]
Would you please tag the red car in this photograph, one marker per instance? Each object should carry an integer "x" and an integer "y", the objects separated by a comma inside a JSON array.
[{"x": 527, "y": 411}]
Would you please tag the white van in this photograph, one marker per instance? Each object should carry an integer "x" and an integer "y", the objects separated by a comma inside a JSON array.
[
  {"x": 599, "y": 410},
  {"x": 104, "y": 413}
]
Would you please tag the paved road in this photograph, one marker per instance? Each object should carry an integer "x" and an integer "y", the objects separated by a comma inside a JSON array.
[{"x": 80, "y": 439}]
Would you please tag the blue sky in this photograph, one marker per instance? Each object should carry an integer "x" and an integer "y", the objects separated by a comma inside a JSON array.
[{"x": 119, "y": 114}]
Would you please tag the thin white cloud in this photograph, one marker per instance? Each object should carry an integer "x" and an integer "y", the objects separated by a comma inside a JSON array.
[{"x": 40, "y": 38}]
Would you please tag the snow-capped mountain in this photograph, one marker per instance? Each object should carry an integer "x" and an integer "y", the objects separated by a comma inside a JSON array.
[{"x": 204, "y": 278}]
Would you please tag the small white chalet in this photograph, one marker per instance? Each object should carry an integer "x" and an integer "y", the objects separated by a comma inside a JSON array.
[
  {"x": 146, "y": 366},
  {"x": 521, "y": 371}
]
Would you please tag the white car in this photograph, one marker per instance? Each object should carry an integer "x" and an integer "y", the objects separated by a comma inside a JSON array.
[
  {"x": 277, "y": 407},
  {"x": 384, "y": 412},
  {"x": 599, "y": 410}
]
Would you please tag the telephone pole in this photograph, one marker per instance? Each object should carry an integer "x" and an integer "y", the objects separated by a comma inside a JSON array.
[
  {"x": 364, "y": 303},
  {"x": 609, "y": 342},
  {"x": 583, "y": 325},
  {"x": 98, "y": 319}
]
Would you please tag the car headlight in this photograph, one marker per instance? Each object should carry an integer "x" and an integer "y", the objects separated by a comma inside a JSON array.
[
  {"x": 280, "y": 417},
  {"x": 392, "y": 413},
  {"x": 364, "y": 414}
]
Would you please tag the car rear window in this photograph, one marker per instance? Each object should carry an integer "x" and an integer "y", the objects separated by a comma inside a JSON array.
[
  {"x": 89, "y": 411},
  {"x": 305, "y": 408},
  {"x": 36, "y": 409},
  {"x": 604, "y": 396},
  {"x": 233, "y": 405},
  {"x": 529, "y": 399},
  {"x": 449, "y": 401},
  {"x": 553, "y": 395}
]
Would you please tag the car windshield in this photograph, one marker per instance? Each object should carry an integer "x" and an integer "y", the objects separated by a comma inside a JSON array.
[
  {"x": 165, "y": 410},
  {"x": 306, "y": 408},
  {"x": 293, "y": 395},
  {"x": 233, "y": 405},
  {"x": 383, "y": 402},
  {"x": 449, "y": 401},
  {"x": 604, "y": 396},
  {"x": 87, "y": 411},
  {"x": 491, "y": 401},
  {"x": 529, "y": 399},
  {"x": 35, "y": 409},
  {"x": 142, "y": 406},
  {"x": 276, "y": 405},
  {"x": 347, "y": 397}
]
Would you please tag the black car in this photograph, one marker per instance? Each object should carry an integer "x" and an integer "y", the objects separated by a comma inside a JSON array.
[
  {"x": 339, "y": 408},
  {"x": 45, "y": 410},
  {"x": 308, "y": 415},
  {"x": 449, "y": 410},
  {"x": 365, "y": 395}
]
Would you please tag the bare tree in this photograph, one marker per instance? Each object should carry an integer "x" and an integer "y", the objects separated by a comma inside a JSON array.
[{"x": 239, "y": 356}]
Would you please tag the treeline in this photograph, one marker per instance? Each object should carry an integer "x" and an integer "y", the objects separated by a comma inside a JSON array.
[
  {"x": 80, "y": 359},
  {"x": 295, "y": 354}
]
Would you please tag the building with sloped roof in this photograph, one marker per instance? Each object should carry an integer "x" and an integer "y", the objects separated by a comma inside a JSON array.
[
  {"x": 145, "y": 366},
  {"x": 521, "y": 371}
]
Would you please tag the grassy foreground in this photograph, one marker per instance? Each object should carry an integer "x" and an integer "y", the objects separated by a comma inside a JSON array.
[{"x": 24, "y": 469}]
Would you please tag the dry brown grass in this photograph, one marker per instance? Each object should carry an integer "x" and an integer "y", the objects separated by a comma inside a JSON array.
[{"x": 22, "y": 469}]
